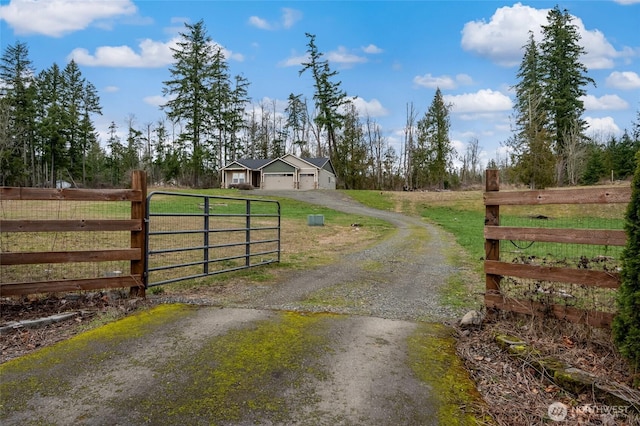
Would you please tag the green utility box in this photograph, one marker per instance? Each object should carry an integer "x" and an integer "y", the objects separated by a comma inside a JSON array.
[{"x": 315, "y": 220}]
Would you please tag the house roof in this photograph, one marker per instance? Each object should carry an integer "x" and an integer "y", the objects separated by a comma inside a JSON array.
[
  {"x": 253, "y": 164},
  {"x": 318, "y": 162},
  {"x": 258, "y": 163}
]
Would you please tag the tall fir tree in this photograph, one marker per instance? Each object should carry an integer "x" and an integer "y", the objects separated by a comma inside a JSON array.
[
  {"x": 433, "y": 137},
  {"x": 329, "y": 98},
  {"x": 531, "y": 144},
  {"x": 564, "y": 78},
  {"x": 296, "y": 113},
  {"x": 73, "y": 91},
  {"x": 52, "y": 119},
  {"x": 192, "y": 76},
  {"x": 17, "y": 117},
  {"x": 89, "y": 105}
]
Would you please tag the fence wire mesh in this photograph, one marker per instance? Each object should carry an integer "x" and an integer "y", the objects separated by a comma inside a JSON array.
[
  {"x": 28, "y": 242},
  {"x": 564, "y": 255}
]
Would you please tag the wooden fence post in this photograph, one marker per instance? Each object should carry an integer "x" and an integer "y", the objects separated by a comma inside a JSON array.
[
  {"x": 492, "y": 218},
  {"x": 138, "y": 212}
]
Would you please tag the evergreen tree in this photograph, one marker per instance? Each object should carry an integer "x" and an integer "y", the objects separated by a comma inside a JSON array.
[
  {"x": 219, "y": 101},
  {"x": 72, "y": 97},
  {"x": 595, "y": 166},
  {"x": 621, "y": 155},
  {"x": 132, "y": 152},
  {"x": 89, "y": 105},
  {"x": 192, "y": 76},
  {"x": 531, "y": 145},
  {"x": 626, "y": 324},
  {"x": 17, "y": 117},
  {"x": 296, "y": 113},
  {"x": 564, "y": 79},
  {"x": 329, "y": 97},
  {"x": 52, "y": 120},
  {"x": 433, "y": 138},
  {"x": 116, "y": 154},
  {"x": 235, "y": 116}
]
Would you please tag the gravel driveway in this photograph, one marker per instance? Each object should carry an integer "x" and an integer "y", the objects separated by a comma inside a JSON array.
[
  {"x": 354, "y": 343},
  {"x": 397, "y": 279}
]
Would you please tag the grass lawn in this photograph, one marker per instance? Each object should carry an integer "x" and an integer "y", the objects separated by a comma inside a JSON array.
[{"x": 462, "y": 215}]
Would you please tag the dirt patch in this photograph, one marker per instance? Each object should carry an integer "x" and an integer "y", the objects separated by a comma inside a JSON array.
[{"x": 89, "y": 309}]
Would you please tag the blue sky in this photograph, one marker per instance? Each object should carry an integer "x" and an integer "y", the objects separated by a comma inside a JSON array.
[{"x": 387, "y": 54}]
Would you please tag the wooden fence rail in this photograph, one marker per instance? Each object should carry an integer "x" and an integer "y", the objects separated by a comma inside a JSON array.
[
  {"x": 495, "y": 269},
  {"x": 134, "y": 254}
]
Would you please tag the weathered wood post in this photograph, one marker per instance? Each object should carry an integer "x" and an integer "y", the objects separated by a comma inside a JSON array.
[
  {"x": 492, "y": 218},
  {"x": 138, "y": 212}
]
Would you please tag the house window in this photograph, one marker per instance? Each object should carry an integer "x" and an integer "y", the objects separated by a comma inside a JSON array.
[{"x": 237, "y": 178}]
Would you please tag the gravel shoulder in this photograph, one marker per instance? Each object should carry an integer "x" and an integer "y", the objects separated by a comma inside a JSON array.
[{"x": 341, "y": 344}]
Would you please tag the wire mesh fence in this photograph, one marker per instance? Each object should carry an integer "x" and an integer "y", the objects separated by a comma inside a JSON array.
[
  {"x": 598, "y": 257},
  {"x": 62, "y": 241},
  {"x": 555, "y": 252}
]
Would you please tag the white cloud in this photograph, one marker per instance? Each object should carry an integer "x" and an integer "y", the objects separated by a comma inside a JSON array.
[
  {"x": 256, "y": 21},
  {"x": 342, "y": 56},
  {"x": 287, "y": 20},
  {"x": 443, "y": 82},
  {"x": 156, "y": 100},
  {"x": 600, "y": 54},
  {"x": 111, "y": 89},
  {"x": 372, "y": 108},
  {"x": 627, "y": 2},
  {"x": 151, "y": 54},
  {"x": 604, "y": 126},
  {"x": 625, "y": 80},
  {"x": 483, "y": 101},
  {"x": 502, "y": 38},
  {"x": 56, "y": 18},
  {"x": 294, "y": 60},
  {"x": 290, "y": 17},
  {"x": 606, "y": 102},
  {"x": 372, "y": 49}
]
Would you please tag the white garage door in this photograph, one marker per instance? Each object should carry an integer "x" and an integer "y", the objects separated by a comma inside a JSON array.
[
  {"x": 278, "y": 181},
  {"x": 307, "y": 181}
]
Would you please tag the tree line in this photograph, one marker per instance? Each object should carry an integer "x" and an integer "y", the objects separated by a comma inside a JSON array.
[
  {"x": 47, "y": 131},
  {"x": 549, "y": 145}
]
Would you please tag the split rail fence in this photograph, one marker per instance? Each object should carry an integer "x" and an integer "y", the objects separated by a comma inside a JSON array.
[
  {"x": 495, "y": 269},
  {"x": 135, "y": 253}
]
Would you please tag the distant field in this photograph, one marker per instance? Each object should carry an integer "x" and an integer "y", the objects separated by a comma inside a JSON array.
[
  {"x": 302, "y": 245},
  {"x": 462, "y": 214}
]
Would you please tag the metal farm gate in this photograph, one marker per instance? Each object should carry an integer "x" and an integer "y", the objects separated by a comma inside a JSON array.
[{"x": 190, "y": 236}]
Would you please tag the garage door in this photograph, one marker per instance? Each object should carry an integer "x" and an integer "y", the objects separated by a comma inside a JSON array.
[
  {"x": 278, "y": 181},
  {"x": 307, "y": 181}
]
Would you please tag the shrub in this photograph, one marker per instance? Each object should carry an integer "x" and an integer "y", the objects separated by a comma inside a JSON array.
[
  {"x": 241, "y": 186},
  {"x": 626, "y": 324}
]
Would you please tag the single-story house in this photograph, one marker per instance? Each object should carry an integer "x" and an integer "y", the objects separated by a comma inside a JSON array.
[{"x": 286, "y": 172}]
